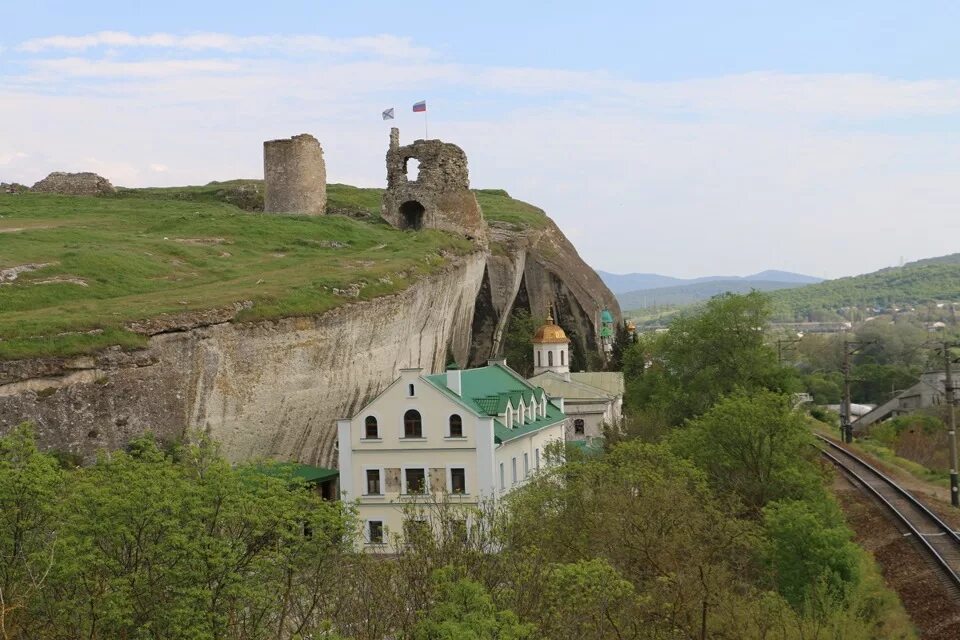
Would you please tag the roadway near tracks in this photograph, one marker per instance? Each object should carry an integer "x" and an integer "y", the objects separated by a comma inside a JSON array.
[{"x": 934, "y": 536}]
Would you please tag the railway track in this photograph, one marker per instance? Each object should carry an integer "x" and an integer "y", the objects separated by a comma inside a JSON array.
[{"x": 934, "y": 536}]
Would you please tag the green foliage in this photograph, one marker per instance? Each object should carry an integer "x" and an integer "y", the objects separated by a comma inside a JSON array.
[
  {"x": 518, "y": 342},
  {"x": 814, "y": 562},
  {"x": 912, "y": 284},
  {"x": 755, "y": 447},
  {"x": 705, "y": 355},
  {"x": 463, "y": 610}
]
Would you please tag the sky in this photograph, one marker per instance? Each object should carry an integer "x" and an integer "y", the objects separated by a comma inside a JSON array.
[{"x": 683, "y": 138}]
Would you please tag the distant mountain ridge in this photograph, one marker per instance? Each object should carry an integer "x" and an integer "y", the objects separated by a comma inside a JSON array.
[{"x": 626, "y": 282}]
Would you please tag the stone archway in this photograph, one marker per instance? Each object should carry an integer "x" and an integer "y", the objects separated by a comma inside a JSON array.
[{"x": 411, "y": 215}]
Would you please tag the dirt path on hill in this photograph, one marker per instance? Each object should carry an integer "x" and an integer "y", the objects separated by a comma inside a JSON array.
[{"x": 932, "y": 609}]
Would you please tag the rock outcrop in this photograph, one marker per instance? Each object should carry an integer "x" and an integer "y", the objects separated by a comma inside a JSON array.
[
  {"x": 532, "y": 270},
  {"x": 74, "y": 184},
  {"x": 269, "y": 389}
]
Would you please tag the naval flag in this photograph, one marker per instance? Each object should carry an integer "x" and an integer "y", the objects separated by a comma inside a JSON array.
[
  {"x": 388, "y": 114},
  {"x": 419, "y": 107}
]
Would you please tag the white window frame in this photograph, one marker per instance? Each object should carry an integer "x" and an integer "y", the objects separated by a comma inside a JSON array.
[
  {"x": 403, "y": 480},
  {"x": 403, "y": 426},
  {"x": 383, "y": 482},
  {"x": 363, "y": 428},
  {"x": 503, "y": 478},
  {"x": 463, "y": 432},
  {"x": 466, "y": 487},
  {"x": 513, "y": 470},
  {"x": 526, "y": 464}
]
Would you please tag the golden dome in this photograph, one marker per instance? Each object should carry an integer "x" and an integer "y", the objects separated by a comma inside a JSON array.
[{"x": 550, "y": 333}]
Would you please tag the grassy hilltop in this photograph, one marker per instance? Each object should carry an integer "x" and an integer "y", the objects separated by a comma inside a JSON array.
[{"x": 101, "y": 263}]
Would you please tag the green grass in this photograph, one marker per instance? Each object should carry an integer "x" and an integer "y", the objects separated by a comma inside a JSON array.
[
  {"x": 498, "y": 206},
  {"x": 147, "y": 252}
]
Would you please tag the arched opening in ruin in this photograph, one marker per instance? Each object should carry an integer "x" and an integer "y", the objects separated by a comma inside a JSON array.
[
  {"x": 411, "y": 215},
  {"x": 411, "y": 166}
]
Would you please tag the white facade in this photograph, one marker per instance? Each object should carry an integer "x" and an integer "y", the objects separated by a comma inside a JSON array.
[
  {"x": 591, "y": 400},
  {"x": 473, "y": 443}
]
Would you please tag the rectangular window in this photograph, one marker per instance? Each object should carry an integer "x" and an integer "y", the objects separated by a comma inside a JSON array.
[
  {"x": 410, "y": 390},
  {"x": 373, "y": 482},
  {"x": 513, "y": 470},
  {"x": 458, "y": 480},
  {"x": 503, "y": 478},
  {"x": 416, "y": 480},
  {"x": 375, "y": 532},
  {"x": 526, "y": 465},
  {"x": 536, "y": 458}
]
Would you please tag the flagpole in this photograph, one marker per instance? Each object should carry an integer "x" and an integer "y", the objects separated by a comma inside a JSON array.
[{"x": 426, "y": 133}]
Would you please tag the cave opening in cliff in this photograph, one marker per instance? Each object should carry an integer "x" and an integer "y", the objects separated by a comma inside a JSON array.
[{"x": 411, "y": 214}]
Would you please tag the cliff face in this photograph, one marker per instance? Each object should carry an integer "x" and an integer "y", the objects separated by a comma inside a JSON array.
[
  {"x": 270, "y": 389},
  {"x": 532, "y": 269},
  {"x": 275, "y": 388}
]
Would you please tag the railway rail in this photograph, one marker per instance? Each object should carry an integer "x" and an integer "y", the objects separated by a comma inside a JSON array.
[{"x": 935, "y": 537}]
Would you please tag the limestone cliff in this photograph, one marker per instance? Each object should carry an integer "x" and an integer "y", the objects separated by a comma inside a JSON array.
[
  {"x": 532, "y": 269},
  {"x": 275, "y": 388},
  {"x": 268, "y": 389}
]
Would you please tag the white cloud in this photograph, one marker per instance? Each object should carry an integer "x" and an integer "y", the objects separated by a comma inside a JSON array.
[
  {"x": 380, "y": 45},
  {"x": 159, "y": 168}
]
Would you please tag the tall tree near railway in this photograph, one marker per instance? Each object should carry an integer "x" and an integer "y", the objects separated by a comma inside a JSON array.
[{"x": 704, "y": 356}]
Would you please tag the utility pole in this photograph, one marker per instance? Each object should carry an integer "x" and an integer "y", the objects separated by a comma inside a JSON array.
[
  {"x": 850, "y": 348},
  {"x": 952, "y": 430}
]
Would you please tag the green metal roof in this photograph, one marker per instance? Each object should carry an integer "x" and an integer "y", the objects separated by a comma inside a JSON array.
[
  {"x": 485, "y": 391},
  {"x": 307, "y": 472},
  {"x": 606, "y": 316},
  {"x": 606, "y": 332}
]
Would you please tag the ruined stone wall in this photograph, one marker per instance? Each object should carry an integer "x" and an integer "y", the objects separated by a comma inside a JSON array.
[
  {"x": 439, "y": 197},
  {"x": 74, "y": 184},
  {"x": 295, "y": 176}
]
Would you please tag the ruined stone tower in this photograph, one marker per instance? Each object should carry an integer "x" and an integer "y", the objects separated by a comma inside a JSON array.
[
  {"x": 295, "y": 176},
  {"x": 438, "y": 197}
]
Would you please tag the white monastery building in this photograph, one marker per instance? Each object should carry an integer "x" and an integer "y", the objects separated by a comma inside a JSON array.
[{"x": 472, "y": 434}]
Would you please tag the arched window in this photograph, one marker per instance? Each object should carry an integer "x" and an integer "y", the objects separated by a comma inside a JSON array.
[
  {"x": 549, "y": 358},
  {"x": 456, "y": 426},
  {"x": 412, "y": 424},
  {"x": 563, "y": 357},
  {"x": 578, "y": 427},
  {"x": 371, "y": 431}
]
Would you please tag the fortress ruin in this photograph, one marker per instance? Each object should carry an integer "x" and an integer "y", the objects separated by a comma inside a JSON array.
[
  {"x": 438, "y": 197},
  {"x": 295, "y": 176}
]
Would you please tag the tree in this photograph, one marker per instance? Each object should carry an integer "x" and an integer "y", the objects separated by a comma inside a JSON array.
[
  {"x": 705, "y": 355},
  {"x": 813, "y": 560},
  {"x": 462, "y": 609},
  {"x": 754, "y": 446},
  {"x": 622, "y": 339},
  {"x": 518, "y": 342},
  {"x": 29, "y": 484}
]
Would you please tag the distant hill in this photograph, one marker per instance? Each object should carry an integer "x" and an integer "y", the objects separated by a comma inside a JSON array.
[
  {"x": 928, "y": 280},
  {"x": 630, "y": 282},
  {"x": 697, "y": 292}
]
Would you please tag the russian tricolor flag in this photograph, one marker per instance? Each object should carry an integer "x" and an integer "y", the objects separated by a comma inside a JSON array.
[{"x": 419, "y": 107}]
